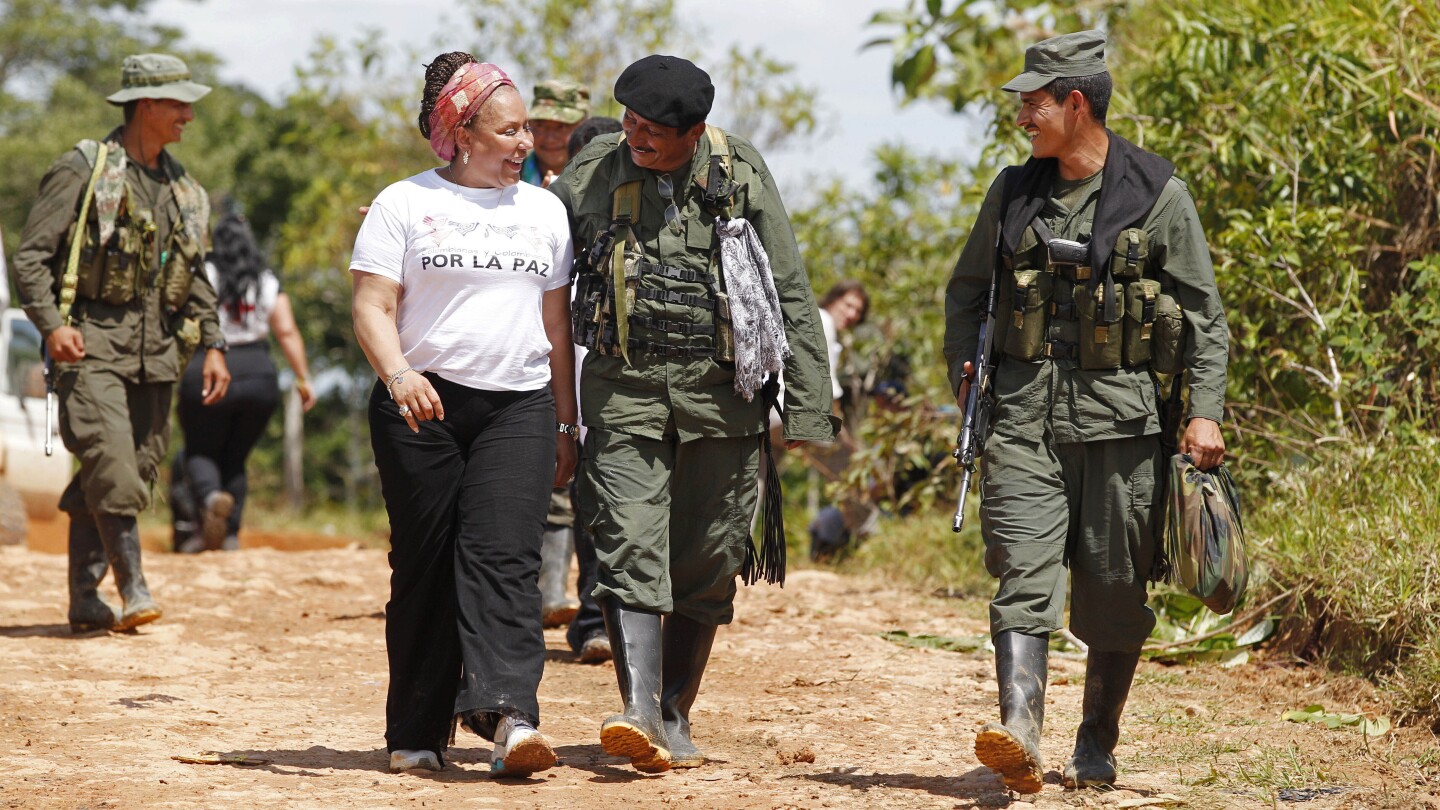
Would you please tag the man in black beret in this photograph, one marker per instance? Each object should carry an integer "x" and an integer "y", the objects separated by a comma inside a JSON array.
[{"x": 668, "y": 389}]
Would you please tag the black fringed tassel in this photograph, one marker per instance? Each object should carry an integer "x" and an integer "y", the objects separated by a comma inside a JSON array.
[{"x": 769, "y": 562}]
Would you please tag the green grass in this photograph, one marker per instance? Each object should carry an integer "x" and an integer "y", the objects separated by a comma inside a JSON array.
[
  {"x": 1356, "y": 535},
  {"x": 1353, "y": 532},
  {"x": 921, "y": 549}
]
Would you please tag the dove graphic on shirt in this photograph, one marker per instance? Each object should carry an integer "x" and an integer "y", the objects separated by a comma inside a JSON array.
[{"x": 439, "y": 228}]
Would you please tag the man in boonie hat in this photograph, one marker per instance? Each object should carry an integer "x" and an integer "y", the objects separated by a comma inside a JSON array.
[
  {"x": 1103, "y": 279},
  {"x": 122, "y": 305},
  {"x": 559, "y": 107},
  {"x": 671, "y": 389}
]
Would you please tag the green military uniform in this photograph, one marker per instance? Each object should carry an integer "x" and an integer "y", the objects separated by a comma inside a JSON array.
[
  {"x": 1069, "y": 472},
  {"x": 1102, "y": 282},
  {"x": 672, "y": 453},
  {"x": 114, "y": 403},
  {"x": 136, "y": 293}
]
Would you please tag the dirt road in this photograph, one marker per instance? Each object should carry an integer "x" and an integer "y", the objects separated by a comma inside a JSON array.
[{"x": 276, "y": 659}]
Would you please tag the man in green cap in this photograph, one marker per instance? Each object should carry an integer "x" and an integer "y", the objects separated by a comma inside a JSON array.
[
  {"x": 559, "y": 107},
  {"x": 1103, "y": 279},
  {"x": 681, "y": 339},
  {"x": 110, "y": 269}
]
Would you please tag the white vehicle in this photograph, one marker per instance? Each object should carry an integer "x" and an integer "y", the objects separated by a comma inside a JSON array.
[{"x": 30, "y": 481}]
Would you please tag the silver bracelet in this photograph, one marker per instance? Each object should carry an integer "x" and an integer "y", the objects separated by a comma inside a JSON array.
[{"x": 395, "y": 378}]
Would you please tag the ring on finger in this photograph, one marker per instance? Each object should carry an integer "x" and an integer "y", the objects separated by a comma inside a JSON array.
[{"x": 404, "y": 410}]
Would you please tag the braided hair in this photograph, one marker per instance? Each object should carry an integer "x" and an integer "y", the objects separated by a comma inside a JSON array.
[
  {"x": 238, "y": 266},
  {"x": 437, "y": 74}
]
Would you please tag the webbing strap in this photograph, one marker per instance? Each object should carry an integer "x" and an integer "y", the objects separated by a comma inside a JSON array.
[
  {"x": 670, "y": 297},
  {"x": 673, "y": 327},
  {"x": 677, "y": 273},
  {"x": 71, "y": 278},
  {"x": 719, "y": 182},
  {"x": 625, "y": 207},
  {"x": 668, "y": 350}
]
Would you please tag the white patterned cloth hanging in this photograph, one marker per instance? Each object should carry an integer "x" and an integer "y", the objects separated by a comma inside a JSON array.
[{"x": 758, "y": 327}]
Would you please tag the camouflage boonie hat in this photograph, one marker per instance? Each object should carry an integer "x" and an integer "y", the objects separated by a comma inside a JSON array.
[
  {"x": 559, "y": 100},
  {"x": 1068, "y": 56},
  {"x": 156, "y": 75}
]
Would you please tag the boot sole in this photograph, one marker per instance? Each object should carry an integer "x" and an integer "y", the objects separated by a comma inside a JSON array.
[
  {"x": 595, "y": 653},
  {"x": 998, "y": 750},
  {"x": 688, "y": 762},
  {"x": 558, "y": 616},
  {"x": 91, "y": 627},
  {"x": 215, "y": 524},
  {"x": 527, "y": 757},
  {"x": 134, "y": 620},
  {"x": 622, "y": 739},
  {"x": 1072, "y": 779}
]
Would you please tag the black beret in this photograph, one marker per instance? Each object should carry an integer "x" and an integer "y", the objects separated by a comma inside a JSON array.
[{"x": 667, "y": 90}]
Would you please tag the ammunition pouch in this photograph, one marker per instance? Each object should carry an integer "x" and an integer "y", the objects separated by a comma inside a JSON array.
[
  {"x": 1101, "y": 342},
  {"x": 186, "y": 332},
  {"x": 183, "y": 259},
  {"x": 1132, "y": 249},
  {"x": 1144, "y": 326},
  {"x": 1167, "y": 349},
  {"x": 1028, "y": 300},
  {"x": 1141, "y": 298},
  {"x": 112, "y": 273}
]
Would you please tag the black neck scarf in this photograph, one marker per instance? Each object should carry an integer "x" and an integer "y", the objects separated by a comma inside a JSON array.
[{"x": 1131, "y": 182}]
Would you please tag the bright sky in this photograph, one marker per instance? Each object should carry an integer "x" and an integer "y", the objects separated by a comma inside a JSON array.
[{"x": 260, "y": 42}]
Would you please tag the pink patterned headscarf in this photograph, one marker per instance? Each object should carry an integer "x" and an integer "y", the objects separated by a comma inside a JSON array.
[{"x": 459, "y": 100}]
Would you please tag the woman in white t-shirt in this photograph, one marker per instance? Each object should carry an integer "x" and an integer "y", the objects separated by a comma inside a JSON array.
[
  {"x": 461, "y": 304},
  {"x": 209, "y": 485}
]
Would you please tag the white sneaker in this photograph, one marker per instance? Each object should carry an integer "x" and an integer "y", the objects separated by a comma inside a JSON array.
[
  {"x": 407, "y": 760},
  {"x": 520, "y": 750}
]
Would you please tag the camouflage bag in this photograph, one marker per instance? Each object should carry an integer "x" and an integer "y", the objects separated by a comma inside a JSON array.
[{"x": 1204, "y": 535}]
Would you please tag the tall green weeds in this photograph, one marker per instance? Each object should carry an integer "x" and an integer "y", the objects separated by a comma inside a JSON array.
[{"x": 1355, "y": 534}]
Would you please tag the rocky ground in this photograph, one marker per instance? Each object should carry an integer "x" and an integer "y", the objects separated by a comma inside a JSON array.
[{"x": 264, "y": 687}]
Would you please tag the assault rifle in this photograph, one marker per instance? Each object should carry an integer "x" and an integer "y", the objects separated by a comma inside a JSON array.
[{"x": 975, "y": 422}]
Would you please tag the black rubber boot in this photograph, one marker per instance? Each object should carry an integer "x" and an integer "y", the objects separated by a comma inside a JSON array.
[
  {"x": 121, "y": 536},
  {"x": 638, "y": 732},
  {"x": 1107, "y": 684},
  {"x": 88, "y": 610},
  {"x": 686, "y": 651},
  {"x": 1012, "y": 746},
  {"x": 557, "y": 546}
]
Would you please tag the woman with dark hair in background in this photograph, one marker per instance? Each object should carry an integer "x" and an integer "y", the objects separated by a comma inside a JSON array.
[
  {"x": 462, "y": 305},
  {"x": 209, "y": 486}
]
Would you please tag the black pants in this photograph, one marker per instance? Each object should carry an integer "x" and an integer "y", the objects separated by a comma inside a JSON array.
[
  {"x": 219, "y": 437},
  {"x": 588, "y": 619},
  {"x": 467, "y": 499}
]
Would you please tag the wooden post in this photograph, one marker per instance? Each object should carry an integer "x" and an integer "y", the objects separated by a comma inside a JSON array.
[{"x": 294, "y": 451}]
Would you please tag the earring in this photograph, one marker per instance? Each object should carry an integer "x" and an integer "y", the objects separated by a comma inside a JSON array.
[{"x": 465, "y": 158}]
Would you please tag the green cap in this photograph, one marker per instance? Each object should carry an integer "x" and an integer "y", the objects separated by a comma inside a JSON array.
[
  {"x": 156, "y": 75},
  {"x": 1067, "y": 56},
  {"x": 558, "y": 100}
]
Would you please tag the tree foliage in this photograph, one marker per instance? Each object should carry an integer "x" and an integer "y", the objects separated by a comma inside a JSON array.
[
  {"x": 1307, "y": 133},
  {"x": 593, "y": 41}
]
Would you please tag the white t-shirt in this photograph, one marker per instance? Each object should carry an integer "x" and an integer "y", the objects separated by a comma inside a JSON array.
[
  {"x": 832, "y": 345},
  {"x": 252, "y": 322},
  {"x": 473, "y": 265}
]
